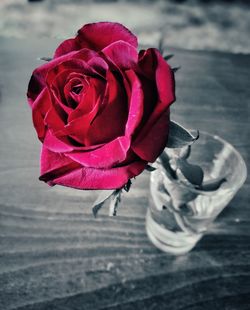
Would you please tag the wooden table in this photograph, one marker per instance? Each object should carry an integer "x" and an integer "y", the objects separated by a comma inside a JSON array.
[{"x": 55, "y": 255}]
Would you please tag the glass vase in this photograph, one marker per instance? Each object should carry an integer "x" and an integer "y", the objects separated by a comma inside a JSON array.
[{"x": 180, "y": 212}]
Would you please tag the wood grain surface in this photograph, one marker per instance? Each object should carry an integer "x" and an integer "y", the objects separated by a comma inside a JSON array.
[{"x": 55, "y": 255}]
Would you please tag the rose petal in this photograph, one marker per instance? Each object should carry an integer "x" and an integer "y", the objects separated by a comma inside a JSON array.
[
  {"x": 66, "y": 47},
  {"x": 99, "y": 65},
  {"x": 37, "y": 80},
  {"x": 55, "y": 144},
  {"x": 65, "y": 68},
  {"x": 57, "y": 78},
  {"x": 91, "y": 178},
  {"x": 40, "y": 108},
  {"x": 78, "y": 128},
  {"x": 80, "y": 119},
  {"x": 152, "y": 139},
  {"x": 149, "y": 143},
  {"x": 54, "y": 165},
  {"x": 150, "y": 100},
  {"x": 156, "y": 68},
  {"x": 106, "y": 156},
  {"x": 57, "y": 91},
  {"x": 110, "y": 122},
  {"x": 97, "y": 36},
  {"x": 122, "y": 54},
  {"x": 53, "y": 120},
  {"x": 136, "y": 101},
  {"x": 60, "y": 141},
  {"x": 72, "y": 98},
  {"x": 36, "y": 84},
  {"x": 94, "y": 95}
]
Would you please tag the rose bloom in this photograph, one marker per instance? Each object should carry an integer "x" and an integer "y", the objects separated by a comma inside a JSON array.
[{"x": 100, "y": 108}]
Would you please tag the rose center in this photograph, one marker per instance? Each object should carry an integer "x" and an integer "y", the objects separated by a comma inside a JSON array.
[
  {"x": 73, "y": 90},
  {"x": 77, "y": 89}
]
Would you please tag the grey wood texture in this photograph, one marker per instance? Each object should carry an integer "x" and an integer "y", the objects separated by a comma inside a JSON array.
[{"x": 55, "y": 255}]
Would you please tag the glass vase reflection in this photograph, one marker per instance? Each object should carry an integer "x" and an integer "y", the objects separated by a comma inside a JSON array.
[{"x": 189, "y": 188}]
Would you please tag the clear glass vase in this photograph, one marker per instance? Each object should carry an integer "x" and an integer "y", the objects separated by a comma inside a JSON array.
[{"x": 180, "y": 212}]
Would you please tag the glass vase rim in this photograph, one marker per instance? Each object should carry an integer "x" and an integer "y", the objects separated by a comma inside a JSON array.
[{"x": 230, "y": 146}]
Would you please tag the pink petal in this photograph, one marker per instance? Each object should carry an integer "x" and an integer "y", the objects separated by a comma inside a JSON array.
[
  {"x": 91, "y": 178},
  {"x": 97, "y": 36},
  {"x": 80, "y": 119},
  {"x": 122, "y": 54},
  {"x": 152, "y": 136},
  {"x": 66, "y": 67},
  {"x": 55, "y": 144},
  {"x": 93, "y": 96},
  {"x": 106, "y": 156},
  {"x": 78, "y": 127},
  {"x": 37, "y": 80},
  {"x": 40, "y": 108},
  {"x": 99, "y": 65},
  {"x": 57, "y": 91},
  {"x": 72, "y": 99},
  {"x": 66, "y": 47},
  {"x": 152, "y": 139},
  {"x": 110, "y": 122},
  {"x": 58, "y": 77},
  {"x": 54, "y": 165},
  {"x": 136, "y": 102},
  {"x": 156, "y": 68},
  {"x": 90, "y": 101},
  {"x": 53, "y": 120}
]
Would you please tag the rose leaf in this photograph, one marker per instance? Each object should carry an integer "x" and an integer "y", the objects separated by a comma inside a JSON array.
[
  {"x": 175, "y": 69},
  {"x": 114, "y": 203},
  {"x": 167, "y": 57},
  {"x": 45, "y": 58},
  {"x": 150, "y": 168},
  {"x": 165, "y": 165},
  {"x": 185, "y": 152},
  {"x": 213, "y": 185},
  {"x": 161, "y": 45},
  {"x": 127, "y": 186},
  {"x": 100, "y": 200},
  {"x": 193, "y": 173},
  {"x": 179, "y": 136}
]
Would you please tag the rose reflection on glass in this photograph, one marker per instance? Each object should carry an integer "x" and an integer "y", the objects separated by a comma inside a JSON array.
[{"x": 185, "y": 199}]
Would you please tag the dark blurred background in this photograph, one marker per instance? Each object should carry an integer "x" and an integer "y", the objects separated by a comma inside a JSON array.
[{"x": 192, "y": 24}]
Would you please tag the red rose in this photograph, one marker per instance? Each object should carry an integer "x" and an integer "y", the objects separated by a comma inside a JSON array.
[{"x": 100, "y": 109}]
